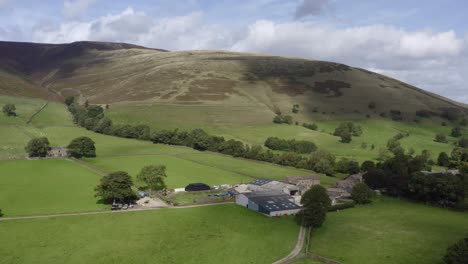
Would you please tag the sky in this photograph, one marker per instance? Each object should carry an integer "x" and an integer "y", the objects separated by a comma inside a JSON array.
[{"x": 424, "y": 43}]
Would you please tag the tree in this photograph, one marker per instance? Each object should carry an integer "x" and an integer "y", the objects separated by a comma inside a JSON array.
[
  {"x": 142, "y": 132},
  {"x": 463, "y": 143},
  {"x": 153, "y": 176},
  {"x": 440, "y": 138},
  {"x": 457, "y": 253},
  {"x": 443, "y": 160},
  {"x": 456, "y": 132},
  {"x": 95, "y": 111},
  {"x": 1, "y": 214},
  {"x": 345, "y": 165},
  {"x": 361, "y": 193},
  {"x": 38, "y": 147},
  {"x": 82, "y": 147},
  {"x": 375, "y": 179},
  {"x": 104, "y": 126},
  {"x": 316, "y": 204},
  {"x": 367, "y": 165},
  {"x": 69, "y": 100},
  {"x": 9, "y": 110},
  {"x": 116, "y": 187},
  {"x": 372, "y": 105},
  {"x": 346, "y": 137}
]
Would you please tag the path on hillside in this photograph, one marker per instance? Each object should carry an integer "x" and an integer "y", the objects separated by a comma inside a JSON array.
[
  {"x": 297, "y": 249},
  {"x": 89, "y": 166},
  {"x": 107, "y": 212}
]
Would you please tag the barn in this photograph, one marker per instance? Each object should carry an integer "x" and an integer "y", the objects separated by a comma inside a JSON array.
[
  {"x": 271, "y": 203},
  {"x": 193, "y": 187}
]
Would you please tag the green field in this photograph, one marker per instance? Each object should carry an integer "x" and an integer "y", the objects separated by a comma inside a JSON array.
[
  {"x": 35, "y": 187},
  {"x": 214, "y": 234},
  {"x": 253, "y": 125},
  {"x": 389, "y": 231}
]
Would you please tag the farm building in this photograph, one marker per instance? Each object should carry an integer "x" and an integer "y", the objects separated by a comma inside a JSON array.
[
  {"x": 303, "y": 182},
  {"x": 57, "y": 152},
  {"x": 348, "y": 183},
  {"x": 337, "y": 194},
  {"x": 259, "y": 185},
  {"x": 271, "y": 203},
  {"x": 197, "y": 187}
]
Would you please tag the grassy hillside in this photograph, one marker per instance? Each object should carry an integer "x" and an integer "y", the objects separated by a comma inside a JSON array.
[
  {"x": 389, "y": 231},
  {"x": 223, "y": 233},
  {"x": 116, "y": 72},
  {"x": 254, "y": 125},
  {"x": 47, "y": 186}
]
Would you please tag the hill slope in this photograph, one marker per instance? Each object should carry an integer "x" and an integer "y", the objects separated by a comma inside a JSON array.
[{"x": 114, "y": 72}]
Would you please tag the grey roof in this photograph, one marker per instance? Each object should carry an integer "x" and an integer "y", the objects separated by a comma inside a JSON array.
[
  {"x": 260, "y": 181},
  {"x": 273, "y": 200},
  {"x": 275, "y": 203},
  {"x": 265, "y": 193}
]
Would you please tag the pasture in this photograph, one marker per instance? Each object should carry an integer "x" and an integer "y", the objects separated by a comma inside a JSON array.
[
  {"x": 38, "y": 187},
  {"x": 253, "y": 125},
  {"x": 213, "y": 234},
  {"x": 389, "y": 231}
]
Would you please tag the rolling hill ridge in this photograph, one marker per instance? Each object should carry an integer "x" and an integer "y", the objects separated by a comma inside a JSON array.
[{"x": 115, "y": 72}]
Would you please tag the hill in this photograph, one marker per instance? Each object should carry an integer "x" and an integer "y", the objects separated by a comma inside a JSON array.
[{"x": 116, "y": 72}]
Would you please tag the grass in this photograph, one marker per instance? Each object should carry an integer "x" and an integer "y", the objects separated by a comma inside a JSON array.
[
  {"x": 186, "y": 198},
  {"x": 252, "y": 168},
  {"x": 180, "y": 172},
  {"x": 253, "y": 125},
  {"x": 214, "y": 234},
  {"x": 31, "y": 187},
  {"x": 389, "y": 231}
]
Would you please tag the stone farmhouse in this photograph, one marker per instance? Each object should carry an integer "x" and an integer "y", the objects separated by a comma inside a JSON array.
[{"x": 57, "y": 152}]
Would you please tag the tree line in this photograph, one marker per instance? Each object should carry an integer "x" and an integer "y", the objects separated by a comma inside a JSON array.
[
  {"x": 92, "y": 118},
  {"x": 402, "y": 176}
]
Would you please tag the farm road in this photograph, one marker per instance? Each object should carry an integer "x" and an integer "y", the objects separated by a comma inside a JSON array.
[
  {"x": 106, "y": 212},
  {"x": 297, "y": 249}
]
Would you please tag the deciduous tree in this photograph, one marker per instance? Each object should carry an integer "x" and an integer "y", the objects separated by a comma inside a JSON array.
[{"x": 153, "y": 176}]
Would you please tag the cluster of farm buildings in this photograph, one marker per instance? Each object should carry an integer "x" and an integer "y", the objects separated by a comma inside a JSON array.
[{"x": 276, "y": 198}]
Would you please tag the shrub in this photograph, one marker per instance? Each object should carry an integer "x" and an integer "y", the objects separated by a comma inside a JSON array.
[
  {"x": 312, "y": 126},
  {"x": 440, "y": 138},
  {"x": 295, "y": 109},
  {"x": 396, "y": 115},
  {"x": 280, "y": 119},
  {"x": 38, "y": 147},
  {"x": 463, "y": 143},
  {"x": 456, "y": 132},
  {"x": 299, "y": 146},
  {"x": 457, "y": 253},
  {"x": 342, "y": 206},
  {"x": 372, "y": 105},
  {"x": 346, "y": 137},
  {"x": 1, "y": 214},
  {"x": 368, "y": 165},
  {"x": 361, "y": 193},
  {"x": 9, "y": 110},
  {"x": 443, "y": 160},
  {"x": 347, "y": 166},
  {"x": 69, "y": 100}
]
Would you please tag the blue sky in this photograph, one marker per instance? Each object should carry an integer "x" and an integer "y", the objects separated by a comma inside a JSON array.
[{"x": 424, "y": 43}]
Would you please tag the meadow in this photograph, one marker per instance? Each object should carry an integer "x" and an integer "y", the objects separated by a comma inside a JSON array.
[
  {"x": 38, "y": 187},
  {"x": 213, "y": 234},
  {"x": 389, "y": 231},
  {"x": 253, "y": 125}
]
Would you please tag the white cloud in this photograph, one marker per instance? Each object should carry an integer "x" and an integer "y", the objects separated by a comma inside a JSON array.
[
  {"x": 437, "y": 61},
  {"x": 75, "y": 8}
]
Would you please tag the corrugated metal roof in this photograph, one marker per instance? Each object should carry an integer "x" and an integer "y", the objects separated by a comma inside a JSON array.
[{"x": 260, "y": 181}]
